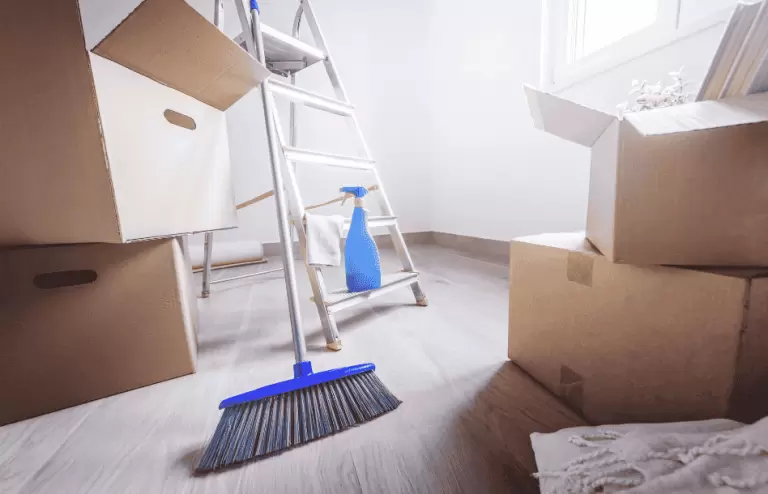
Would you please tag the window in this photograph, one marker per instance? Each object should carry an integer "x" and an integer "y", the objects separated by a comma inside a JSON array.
[
  {"x": 595, "y": 24},
  {"x": 585, "y": 37}
]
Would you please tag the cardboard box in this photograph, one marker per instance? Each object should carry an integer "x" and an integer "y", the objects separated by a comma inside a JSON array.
[
  {"x": 81, "y": 322},
  {"x": 93, "y": 151},
  {"x": 683, "y": 185},
  {"x": 623, "y": 343}
]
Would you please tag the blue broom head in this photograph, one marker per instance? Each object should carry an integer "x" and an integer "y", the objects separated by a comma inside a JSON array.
[
  {"x": 274, "y": 418},
  {"x": 303, "y": 377}
]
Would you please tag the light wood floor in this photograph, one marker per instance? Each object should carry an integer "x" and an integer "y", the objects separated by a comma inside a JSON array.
[{"x": 463, "y": 426}]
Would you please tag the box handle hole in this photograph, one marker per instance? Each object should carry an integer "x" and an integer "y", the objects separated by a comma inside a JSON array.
[
  {"x": 61, "y": 279},
  {"x": 180, "y": 120}
]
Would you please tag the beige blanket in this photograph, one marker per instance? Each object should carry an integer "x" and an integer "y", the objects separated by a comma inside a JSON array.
[{"x": 714, "y": 456}]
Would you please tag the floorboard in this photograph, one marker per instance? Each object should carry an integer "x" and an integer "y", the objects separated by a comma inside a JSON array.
[{"x": 463, "y": 426}]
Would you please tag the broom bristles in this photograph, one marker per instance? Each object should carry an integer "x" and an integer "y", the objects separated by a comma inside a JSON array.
[{"x": 268, "y": 426}]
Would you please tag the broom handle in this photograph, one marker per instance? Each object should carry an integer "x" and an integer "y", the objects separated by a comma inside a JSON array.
[{"x": 299, "y": 345}]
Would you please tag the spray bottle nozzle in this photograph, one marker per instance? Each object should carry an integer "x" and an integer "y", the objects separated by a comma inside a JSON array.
[{"x": 356, "y": 192}]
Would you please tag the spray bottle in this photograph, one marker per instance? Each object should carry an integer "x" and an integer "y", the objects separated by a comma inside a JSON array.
[{"x": 361, "y": 257}]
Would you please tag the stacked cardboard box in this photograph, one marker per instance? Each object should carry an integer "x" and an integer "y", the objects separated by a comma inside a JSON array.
[
  {"x": 603, "y": 319},
  {"x": 113, "y": 131}
]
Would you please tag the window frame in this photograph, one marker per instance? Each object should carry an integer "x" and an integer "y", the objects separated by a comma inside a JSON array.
[{"x": 557, "y": 74}]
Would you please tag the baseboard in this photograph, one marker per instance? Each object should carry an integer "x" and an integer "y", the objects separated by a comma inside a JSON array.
[
  {"x": 496, "y": 251},
  {"x": 484, "y": 249},
  {"x": 273, "y": 249},
  {"x": 412, "y": 238}
]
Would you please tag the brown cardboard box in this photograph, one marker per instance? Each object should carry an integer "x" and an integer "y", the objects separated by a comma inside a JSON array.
[
  {"x": 81, "y": 322},
  {"x": 625, "y": 343},
  {"x": 682, "y": 185},
  {"x": 94, "y": 149}
]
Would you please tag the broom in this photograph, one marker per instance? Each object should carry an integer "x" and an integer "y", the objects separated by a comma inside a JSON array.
[{"x": 310, "y": 406}]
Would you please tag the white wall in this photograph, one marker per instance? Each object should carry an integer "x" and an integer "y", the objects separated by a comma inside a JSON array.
[{"x": 495, "y": 176}]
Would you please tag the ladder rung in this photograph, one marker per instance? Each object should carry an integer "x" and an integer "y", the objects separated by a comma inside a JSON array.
[
  {"x": 310, "y": 99},
  {"x": 341, "y": 299},
  {"x": 375, "y": 222},
  {"x": 304, "y": 156}
]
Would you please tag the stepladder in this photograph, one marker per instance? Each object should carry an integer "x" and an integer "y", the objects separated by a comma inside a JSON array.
[{"x": 285, "y": 56}]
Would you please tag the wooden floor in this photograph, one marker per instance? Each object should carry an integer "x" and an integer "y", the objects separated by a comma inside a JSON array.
[{"x": 463, "y": 426}]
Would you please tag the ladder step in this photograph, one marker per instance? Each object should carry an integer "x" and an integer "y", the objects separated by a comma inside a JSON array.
[
  {"x": 341, "y": 299},
  {"x": 304, "y": 156},
  {"x": 375, "y": 222},
  {"x": 310, "y": 99},
  {"x": 285, "y": 54}
]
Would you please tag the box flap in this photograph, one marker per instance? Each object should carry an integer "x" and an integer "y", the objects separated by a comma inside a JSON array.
[
  {"x": 702, "y": 115},
  {"x": 565, "y": 118},
  {"x": 170, "y": 42},
  {"x": 572, "y": 241}
]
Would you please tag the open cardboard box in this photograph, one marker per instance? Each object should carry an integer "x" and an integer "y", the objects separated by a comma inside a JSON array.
[
  {"x": 683, "y": 185},
  {"x": 122, "y": 148}
]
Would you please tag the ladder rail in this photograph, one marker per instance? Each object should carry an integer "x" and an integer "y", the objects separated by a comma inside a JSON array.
[
  {"x": 317, "y": 34},
  {"x": 207, "y": 264},
  {"x": 319, "y": 294},
  {"x": 316, "y": 279},
  {"x": 218, "y": 21},
  {"x": 292, "y": 131}
]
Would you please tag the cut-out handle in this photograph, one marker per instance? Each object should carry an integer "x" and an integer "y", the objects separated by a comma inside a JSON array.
[
  {"x": 61, "y": 279},
  {"x": 179, "y": 119}
]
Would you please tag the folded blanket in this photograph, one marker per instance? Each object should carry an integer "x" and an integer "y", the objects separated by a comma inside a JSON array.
[{"x": 713, "y": 456}]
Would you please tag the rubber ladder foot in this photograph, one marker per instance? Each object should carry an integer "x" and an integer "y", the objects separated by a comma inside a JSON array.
[{"x": 334, "y": 346}]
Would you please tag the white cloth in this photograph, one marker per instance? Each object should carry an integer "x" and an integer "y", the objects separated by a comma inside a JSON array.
[
  {"x": 712, "y": 456},
  {"x": 324, "y": 239}
]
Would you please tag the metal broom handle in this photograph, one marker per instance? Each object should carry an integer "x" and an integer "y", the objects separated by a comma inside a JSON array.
[{"x": 299, "y": 345}]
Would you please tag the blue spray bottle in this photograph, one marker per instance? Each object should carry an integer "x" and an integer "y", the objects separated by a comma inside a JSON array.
[{"x": 361, "y": 257}]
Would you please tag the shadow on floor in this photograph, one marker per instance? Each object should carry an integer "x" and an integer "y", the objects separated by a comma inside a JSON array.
[{"x": 492, "y": 433}]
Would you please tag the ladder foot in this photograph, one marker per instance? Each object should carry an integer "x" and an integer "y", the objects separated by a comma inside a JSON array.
[
  {"x": 334, "y": 345},
  {"x": 422, "y": 302}
]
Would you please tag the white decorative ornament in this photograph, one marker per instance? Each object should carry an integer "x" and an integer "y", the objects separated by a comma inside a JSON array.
[{"x": 644, "y": 96}]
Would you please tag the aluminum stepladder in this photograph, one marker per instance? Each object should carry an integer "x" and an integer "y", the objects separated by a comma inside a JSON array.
[{"x": 285, "y": 56}]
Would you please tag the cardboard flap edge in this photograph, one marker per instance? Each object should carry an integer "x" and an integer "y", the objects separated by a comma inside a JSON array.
[
  {"x": 566, "y": 119},
  {"x": 701, "y": 115},
  {"x": 224, "y": 72}
]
